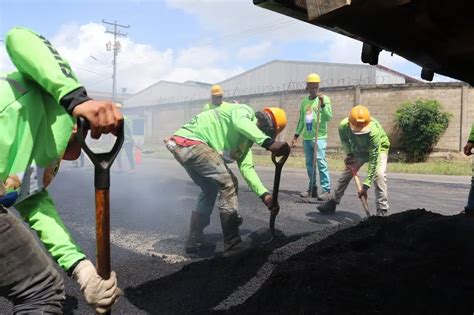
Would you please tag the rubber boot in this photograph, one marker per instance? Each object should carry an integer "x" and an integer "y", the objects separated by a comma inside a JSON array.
[
  {"x": 195, "y": 239},
  {"x": 381, "y": 212},
  {"x": 328, "y": 207},
  {"x": 233, "y": 244}
]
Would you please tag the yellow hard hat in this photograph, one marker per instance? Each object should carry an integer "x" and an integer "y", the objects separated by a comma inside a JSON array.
[
  {"x": 313, "y": 78},
  {"x": 216, "y": 90},
  {"x": 359, "y": 119},
  {"x": 278, "y": 116}
]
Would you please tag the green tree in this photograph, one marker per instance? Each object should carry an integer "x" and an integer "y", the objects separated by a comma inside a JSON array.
[{"x": 422, "y": 124}]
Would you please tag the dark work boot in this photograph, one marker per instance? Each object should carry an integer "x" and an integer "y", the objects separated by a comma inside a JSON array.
[
  {"x": 195, "y": 239},
  {"x": 381, "y": 212},
  {"x": 233, "y": 244},
  {"x": 328, "y": 207}
]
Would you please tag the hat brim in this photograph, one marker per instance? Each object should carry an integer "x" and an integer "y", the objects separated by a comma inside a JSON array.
[{"x": 360, "y": 131}]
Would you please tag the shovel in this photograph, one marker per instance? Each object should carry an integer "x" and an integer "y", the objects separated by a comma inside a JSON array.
[
  {"x": 275, "y": 207},
  {"x": 359, "y": 188},
  {"x": 102, "y": 164}
]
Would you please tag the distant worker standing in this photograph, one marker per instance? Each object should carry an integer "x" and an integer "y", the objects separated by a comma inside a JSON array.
[
  {"x": 308, "y": 125},
  {"x": 469, "y": 209},
  {"x": 128, "y": 144},
  {"x": 206, "y": 144},
  {"x": 364, "y": 140},
  {"x": 217, "y": 96}
]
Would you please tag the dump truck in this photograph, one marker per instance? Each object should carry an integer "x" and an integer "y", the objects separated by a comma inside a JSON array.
[{"x": 435, "y": 34}]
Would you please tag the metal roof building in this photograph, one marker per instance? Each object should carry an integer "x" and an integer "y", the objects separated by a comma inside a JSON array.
[{"x": 274, "y": 76}]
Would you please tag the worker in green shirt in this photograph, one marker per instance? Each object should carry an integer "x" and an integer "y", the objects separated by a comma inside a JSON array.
[
  {"x": 469, "y": 209},
  {"x": 217, "y": 96},
  {"x": 39, "y": 104},
  {"x": 364, "y": 141},
  {"x": 206, "y": 144},
  {"x": 307, "y": 124}
]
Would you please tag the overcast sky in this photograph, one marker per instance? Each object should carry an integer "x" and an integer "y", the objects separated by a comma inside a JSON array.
[{"x": 177, "y": 40}]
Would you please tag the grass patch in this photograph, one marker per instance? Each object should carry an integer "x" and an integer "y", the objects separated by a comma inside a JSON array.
[{"x": 435, "y": 167}]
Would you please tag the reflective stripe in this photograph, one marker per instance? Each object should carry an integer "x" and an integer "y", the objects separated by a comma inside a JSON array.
[{"x": 16, "y": 85}]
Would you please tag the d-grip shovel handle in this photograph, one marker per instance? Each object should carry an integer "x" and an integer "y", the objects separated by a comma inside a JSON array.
[
  {"x": 276, "y": 187},
  {"x": 102, "y": 161}
]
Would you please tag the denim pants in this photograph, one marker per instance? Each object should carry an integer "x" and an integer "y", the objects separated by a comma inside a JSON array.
[
  {"x": 208, "y": 170},
  {"x": 27, "y": 275},
  {"x": 321, "y": 161}
]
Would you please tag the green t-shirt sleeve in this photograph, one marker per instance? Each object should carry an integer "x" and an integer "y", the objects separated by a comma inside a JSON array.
[
  {"x": 326, "y": 112},
  {"x": 374, "y": 156},
  {"x": 206, "y": 107},
  {"x": 35, "y": 57},
  {"x": 344, "y": 137},
  {"x": 247, "y": 169},
  {"x": 40, "y": 213},
  {"x": 300, "y": 125},
  {"x": 244, "y": 123}
]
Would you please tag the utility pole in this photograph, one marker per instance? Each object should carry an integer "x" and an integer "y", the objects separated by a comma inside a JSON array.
[{"x": 116, "y": 49}]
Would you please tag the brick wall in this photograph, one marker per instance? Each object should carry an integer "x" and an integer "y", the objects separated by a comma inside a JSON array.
[{"x": 382, "y": 102}]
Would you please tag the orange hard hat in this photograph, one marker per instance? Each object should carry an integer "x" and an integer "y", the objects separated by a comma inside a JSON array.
[
  {"x": 278, "y": 116},
  {"x": 217, "y": 90},
  {"x": 359, "y": 119}
]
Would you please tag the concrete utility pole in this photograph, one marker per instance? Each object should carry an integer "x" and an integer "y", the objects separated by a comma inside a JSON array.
[{"x": 116, "y": 48}]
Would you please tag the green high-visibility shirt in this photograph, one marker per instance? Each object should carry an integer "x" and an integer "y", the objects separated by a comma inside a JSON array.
[
  {"x": 209, "y": 106},
  {"x": 471, "y": 136},
  {"x": 231, "y": 130},
  {"x": 34, "y": 132},
  {"x": 366, "y": 147},
  {"x": 307, "y": 121}
]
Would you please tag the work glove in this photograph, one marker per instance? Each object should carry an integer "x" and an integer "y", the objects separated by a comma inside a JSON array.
[
  {"x": 350, "y": 159},
  {"x": 363, "y": 192},
  {"x": 279, "y": 148},
  {"x": 100, "y": 294},
  {"x": 468, "y": 148}
]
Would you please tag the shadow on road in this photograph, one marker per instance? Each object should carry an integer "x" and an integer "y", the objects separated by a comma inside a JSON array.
[{"x": 338, "y": 216}]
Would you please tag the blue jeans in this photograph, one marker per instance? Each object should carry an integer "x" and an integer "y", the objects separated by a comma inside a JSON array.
[
  {"x": 470, "y": 200},
  {"x": 321, "y": 161}
]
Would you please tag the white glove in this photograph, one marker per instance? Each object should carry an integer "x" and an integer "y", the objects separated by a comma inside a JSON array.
[{"x": 99, "y": 293}]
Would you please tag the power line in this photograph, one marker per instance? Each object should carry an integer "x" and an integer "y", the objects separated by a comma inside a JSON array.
[{"x": 116, "y": 49}]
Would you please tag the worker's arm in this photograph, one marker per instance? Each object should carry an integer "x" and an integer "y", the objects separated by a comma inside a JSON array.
[
  {"x": 344, "y": 137},
  {"x": 374, "y": 156},
  {"x": 326, "y": 109},
  {"x": 40, "y": 213},
  {"x": 35, "y": 57},
  {"x": 248, "y": 172},
  {"x": 300, "y": 125},
  {"x": 242, "y": 120}
]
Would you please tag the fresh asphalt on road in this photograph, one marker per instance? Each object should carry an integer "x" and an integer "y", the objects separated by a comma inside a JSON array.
[{"x": 150, "y": 212}]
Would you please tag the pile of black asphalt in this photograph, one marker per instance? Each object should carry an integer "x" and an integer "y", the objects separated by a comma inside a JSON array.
[{"x": 413, "y": 262}]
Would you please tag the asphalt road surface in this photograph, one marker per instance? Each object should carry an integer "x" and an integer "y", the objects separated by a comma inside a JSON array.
[{"x": 150, "y": 212}]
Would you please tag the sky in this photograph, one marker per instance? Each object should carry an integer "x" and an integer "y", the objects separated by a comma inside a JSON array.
[{"x": 177, "y": 40}]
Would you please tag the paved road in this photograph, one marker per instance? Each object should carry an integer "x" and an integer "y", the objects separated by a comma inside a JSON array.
[{"x": 151, "y": 209}]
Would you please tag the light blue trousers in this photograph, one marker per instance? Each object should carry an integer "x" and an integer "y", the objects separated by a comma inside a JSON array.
[{"x": 321, "y": 161}]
